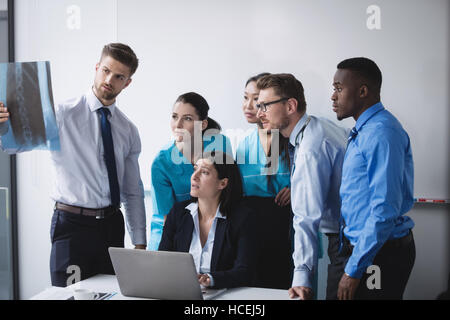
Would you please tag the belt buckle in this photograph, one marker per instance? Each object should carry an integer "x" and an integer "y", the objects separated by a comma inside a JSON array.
[{"x": 100, "y": 214}]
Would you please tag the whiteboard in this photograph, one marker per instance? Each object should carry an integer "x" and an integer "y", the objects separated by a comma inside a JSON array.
[{"x": 212, "y": 47}]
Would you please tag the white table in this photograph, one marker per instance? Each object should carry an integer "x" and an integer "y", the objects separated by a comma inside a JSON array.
[{"x": 108, "y": 283}]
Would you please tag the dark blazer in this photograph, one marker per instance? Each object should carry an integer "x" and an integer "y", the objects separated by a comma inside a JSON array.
[{"x": 234, "y": 251}]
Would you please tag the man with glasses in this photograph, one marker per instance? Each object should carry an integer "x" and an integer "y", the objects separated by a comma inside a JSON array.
[{"x": 316, "y": 151}]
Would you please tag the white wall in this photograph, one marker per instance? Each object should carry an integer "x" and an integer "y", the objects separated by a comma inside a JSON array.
[{"x": 212, "y": 47}]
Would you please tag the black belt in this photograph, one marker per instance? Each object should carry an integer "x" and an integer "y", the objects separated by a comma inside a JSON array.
[
  {"x": 400, "y": 242},
  {"x": 393, "y": 243},
  {"x": 332, "y": 234},
  {"x": 97, "y": 213}
]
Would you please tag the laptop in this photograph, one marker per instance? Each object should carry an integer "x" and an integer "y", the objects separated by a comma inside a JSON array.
[{"x": 158, "y": 275}]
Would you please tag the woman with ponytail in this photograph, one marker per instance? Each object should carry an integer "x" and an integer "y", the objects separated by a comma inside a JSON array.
[{"x": 194, "y": 133}]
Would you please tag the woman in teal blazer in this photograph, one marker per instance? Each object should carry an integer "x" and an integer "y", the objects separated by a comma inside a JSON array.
[{"x": 172, "y": 167}]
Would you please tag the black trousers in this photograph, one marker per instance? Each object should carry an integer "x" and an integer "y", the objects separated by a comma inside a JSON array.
[
  {"x": 83, "y": 242},
  {"x": 395, "y": 260},
  {"x": 336, "y": 266},
  {"x": 275, "y": 266}
]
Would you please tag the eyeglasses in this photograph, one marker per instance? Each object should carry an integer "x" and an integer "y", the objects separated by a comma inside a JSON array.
[{"x": 263, "y": 105}]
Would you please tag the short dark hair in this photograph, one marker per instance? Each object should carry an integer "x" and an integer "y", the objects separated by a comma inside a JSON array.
[
  {"x": 256, "y": 78},
  {"x": 122, "y": 53},
  {"x": 286, "y": 86},
  {"x": 201, "y": 106},
  {"x": 366, "y": 69},
  {"x": 226, "y": 167}
]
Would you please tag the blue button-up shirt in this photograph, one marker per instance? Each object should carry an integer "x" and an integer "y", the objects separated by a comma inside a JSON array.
[
  {"x": 315, "y": 181},
  {"x": 377, "y": 186}
]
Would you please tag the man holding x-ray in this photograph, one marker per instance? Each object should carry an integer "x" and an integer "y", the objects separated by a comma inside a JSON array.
[{"x": 97, "y": 169}]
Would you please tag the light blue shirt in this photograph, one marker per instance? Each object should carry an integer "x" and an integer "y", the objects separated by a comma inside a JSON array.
[
  {"x": 377, "y": 186},
  {"x": 171, "y": 182},
  {"x": 252, "y": 161},
  {"x": 315, "y": 181},
  {"x": 81, "y": 175},
  {"x": 202, "y": 255}
]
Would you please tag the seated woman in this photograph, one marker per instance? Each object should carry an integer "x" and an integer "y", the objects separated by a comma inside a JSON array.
[{"x": 213, "y": 226}]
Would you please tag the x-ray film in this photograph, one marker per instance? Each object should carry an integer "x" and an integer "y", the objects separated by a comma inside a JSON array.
[{"x": 26, "y": 90}]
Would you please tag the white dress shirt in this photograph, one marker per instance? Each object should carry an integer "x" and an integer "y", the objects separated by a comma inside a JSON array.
[
  {"x": 315, "y": 181},
  {"x": 81, "y": 174},
  {"x": 202, "y": 256}
]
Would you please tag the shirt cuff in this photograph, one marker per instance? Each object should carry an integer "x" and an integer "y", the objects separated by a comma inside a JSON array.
[
  {"x": 138, "y": 236},
  {"x": 353, "y": 272},
  {"x": 211, "y": 284},
  {"x": 302, "y": 278}
]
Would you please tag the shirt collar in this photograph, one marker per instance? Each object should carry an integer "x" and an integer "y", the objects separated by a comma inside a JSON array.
[
  {"x": 94, "y": 103},
  {"x": 193, "y": 208},
  {"x": 369, "y": 113},
  {"x": 297, "y": 128}
]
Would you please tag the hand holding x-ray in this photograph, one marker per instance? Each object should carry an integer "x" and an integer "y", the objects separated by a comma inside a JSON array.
[
  {"x": 27, "y": 114},
  {"x": 4, "y": 114}
]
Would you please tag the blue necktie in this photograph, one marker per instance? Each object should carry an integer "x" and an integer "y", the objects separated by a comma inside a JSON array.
[
  {"x": 110, "y": 160},
  {"x": 291, "y": 150},
  {"x": 351, "y": 136}
]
